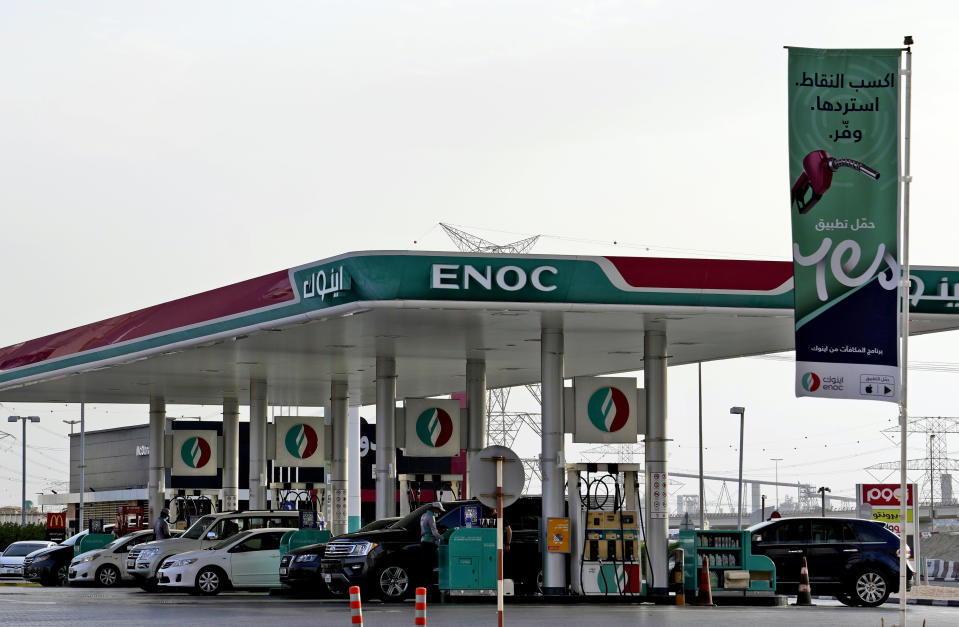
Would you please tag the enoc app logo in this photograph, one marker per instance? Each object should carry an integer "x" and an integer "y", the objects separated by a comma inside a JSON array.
[
  {"x": 608, "y": 409},
  {"x": 195, "y": 452},
  {"x": 810, "y": 382},
  {"x": 434, "y": 427},
  {"x": 301, "y": 441}
]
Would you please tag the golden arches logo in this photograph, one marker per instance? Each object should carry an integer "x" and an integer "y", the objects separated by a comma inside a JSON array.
[{"x": 56, "y": 521}]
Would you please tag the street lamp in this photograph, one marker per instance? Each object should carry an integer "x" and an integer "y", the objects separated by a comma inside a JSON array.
[
  {"x": 71, "y": 423},
  {"x": 742, "y": 424},
  {"x": 23, "y": 475},
  {"x": 822, "y": 490}
]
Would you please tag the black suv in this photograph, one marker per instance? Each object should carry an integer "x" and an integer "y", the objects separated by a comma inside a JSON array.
[
  {"x": 388, "y": 562},
  {"x": 855, "y": 560},
  {"x": 50, "y": 566}
]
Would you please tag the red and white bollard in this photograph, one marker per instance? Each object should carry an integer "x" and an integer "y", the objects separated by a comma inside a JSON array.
[
  {"x": 356, "y": 606},
  {"x": 420, "y": 616}
]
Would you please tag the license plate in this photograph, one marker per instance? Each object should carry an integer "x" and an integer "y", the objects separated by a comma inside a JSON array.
[
  {"x": 282, "y": 571},
  {"x": 327, "y": 578}
]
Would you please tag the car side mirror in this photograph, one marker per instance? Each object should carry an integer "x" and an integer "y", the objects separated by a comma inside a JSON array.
[
  {"x": 757, "y": 537},
  {"x": 211, "y": 535}
]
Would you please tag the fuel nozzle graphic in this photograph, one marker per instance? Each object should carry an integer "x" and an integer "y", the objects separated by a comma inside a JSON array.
[{"x": 816, "y": 177}]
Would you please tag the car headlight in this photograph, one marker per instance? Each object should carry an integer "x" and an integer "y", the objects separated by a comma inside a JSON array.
[
  {"x": 149, "y": 552},
  {"x": 364, "y": 548},
  {"x": 183, "y": 562},
  {"x": 306, "y": 557},
  {"x": 88, "y": 558}
]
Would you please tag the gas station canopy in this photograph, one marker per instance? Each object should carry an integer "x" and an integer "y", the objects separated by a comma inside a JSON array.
[{"x": 302, "y": 328}]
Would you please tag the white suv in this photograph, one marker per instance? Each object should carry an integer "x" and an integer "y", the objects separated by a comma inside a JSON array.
[{"x": 144, "y": 560}]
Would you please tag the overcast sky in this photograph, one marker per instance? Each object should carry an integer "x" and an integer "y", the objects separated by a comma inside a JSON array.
[{"x": 153, "y": 150}]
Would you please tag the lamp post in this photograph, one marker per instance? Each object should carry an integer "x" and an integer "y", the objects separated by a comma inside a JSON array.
[
  {"x": 23, "y": 474},
  {"x": 742, "y": 424},
  {"x": 822, "y": 490},
  {"x": 71, "y": 423},
  {"x": 777, "y": 460}
]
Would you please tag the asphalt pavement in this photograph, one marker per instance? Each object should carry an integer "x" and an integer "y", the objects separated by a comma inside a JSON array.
[{"x": 27, "y": 606}]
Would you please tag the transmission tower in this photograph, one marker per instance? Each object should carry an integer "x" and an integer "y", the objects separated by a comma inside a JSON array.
[
  {"x": 467, "y": 242},
  {"x": 936, "y": 484}
]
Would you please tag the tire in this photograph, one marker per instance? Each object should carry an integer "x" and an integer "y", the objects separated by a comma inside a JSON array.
[
  {"x": 210, "y": 581},
  {"x": 107, "y": 576},
  {"x": 870, "y": 588},
  {"x": 393, "y": 583}
]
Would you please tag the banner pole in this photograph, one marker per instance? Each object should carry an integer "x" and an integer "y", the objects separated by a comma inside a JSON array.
[{"x": 904, "y": 365}]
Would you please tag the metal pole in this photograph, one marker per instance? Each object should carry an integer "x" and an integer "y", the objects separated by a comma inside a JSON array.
[
  {"x": 499, "y": 541},
  {"x": 904, "y": 362},
  {"x": 702, "y": 483},
  {"x": 764, "y": 507},
  {"x": 742, "y": 426},
  {"x": 777, "y": 460},
  {"x": 552, "y": 461}
]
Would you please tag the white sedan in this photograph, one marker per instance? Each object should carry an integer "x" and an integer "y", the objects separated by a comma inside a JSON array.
[
  {"x": 249, "y": 559},
  {"x": 104, "y": 566}
]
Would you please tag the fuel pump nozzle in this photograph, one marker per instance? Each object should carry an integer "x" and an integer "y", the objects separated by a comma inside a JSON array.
[{"x": 816, "y": 177}]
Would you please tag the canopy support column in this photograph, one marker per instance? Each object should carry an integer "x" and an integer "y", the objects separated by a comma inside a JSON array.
[
  {"x": 257, "y": 475},
  {"x": 340, "y": 401},
  {"x": 156, "y": 481},
  {"x": 385, "y": 437},
  {"x": 475, "y": 414},
  {"x": 552, "y": 460},
  {"x": 657, "y": 516},
  {"x": 231, "y": 454}
]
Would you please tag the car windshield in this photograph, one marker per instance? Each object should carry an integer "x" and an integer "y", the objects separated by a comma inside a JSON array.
[
  {"x": 239, "y": 537},
  {"x": 195, "y": 532},
  {"x": 19, "y": 549}
]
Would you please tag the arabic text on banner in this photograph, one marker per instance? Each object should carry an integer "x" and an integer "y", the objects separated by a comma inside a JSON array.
[{"x": 844, "y": 188}]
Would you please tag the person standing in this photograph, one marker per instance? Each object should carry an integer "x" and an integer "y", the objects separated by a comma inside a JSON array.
[
  {"x": 162, "y": 525},
  {"x": 429, "y": 538}
]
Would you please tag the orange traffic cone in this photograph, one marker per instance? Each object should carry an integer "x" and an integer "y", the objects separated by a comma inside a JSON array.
[
  {"x": 356, "y": 606},
  {"x": 804, "y": 597},
  {"x": 420, "y": 608},
  {"x": 705, "y": 593}
]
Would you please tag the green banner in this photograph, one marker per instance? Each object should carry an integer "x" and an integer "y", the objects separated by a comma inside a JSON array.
[{"x": 844, "y": 178}]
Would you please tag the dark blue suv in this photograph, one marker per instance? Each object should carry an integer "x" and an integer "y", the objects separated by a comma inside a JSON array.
[{"x": 855, "y": 560}]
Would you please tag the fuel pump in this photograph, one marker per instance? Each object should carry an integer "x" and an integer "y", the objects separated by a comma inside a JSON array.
[
  {"x": 302, "y": 496},
  {"x": 412, "y": 487}
]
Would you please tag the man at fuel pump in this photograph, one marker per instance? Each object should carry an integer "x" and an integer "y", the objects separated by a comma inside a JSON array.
[
  {"x": 162, "y": 525},
  {"x": 429, "y": 538}
]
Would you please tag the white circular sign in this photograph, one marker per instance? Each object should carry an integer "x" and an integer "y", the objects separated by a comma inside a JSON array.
[{"x": 483, "y": 475}]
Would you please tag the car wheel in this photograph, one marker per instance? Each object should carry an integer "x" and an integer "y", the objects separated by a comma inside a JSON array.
[
  {"x": 210, "y": 581},
  {"x": 869, "y": 588},
  {"x": 393, "y": 582},
  {"x": 108, "y": 576}
]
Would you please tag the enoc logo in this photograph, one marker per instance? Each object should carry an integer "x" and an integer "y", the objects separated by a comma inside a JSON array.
[
  {"x": 195, "y": 452},
  {"x": 434, "y": 427},
  {"x": 616, "y": 579},
  {"x": 608, "y": 409},
  {"x": 810, "y": 382},
  {"x": 301, "y": 441}
]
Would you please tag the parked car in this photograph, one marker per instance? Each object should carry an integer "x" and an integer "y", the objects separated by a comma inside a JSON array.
[
  {"x": 388, "y": 562},
  {"x": 247, "y": 560},
  {"x": 104, "y": 566},
  {"x": 50, "y": 566},
  {"x": 144, "y": 560},
  {"x": 300, "y": 568},
  {"x": 11, "y": 559},
  {"x": 855, "y": 560}
]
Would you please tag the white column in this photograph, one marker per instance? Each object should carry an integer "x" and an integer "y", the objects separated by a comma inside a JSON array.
[
  {"x": 576, "y": 529},
  {"x": 385, "y": 437},
  {"x": 353, "y": 492},
  {"x": 475, "y": 413},
  {"x": 156, "y": 481},
  {"x": 657, "y": 522},
  {"x": 339, "y": 400},
  {"x": 258, "y": 412},
  {"x": 552, "y": 460},
  {"x": 231, "y": 454}
]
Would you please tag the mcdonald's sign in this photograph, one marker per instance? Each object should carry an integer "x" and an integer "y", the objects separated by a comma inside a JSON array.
[{"x": 57, "y": 526}]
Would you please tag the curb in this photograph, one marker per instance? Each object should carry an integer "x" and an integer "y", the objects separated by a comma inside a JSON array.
[
  {"x": 935, "y": 602},
  {"x": 22, "y": 584}
]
